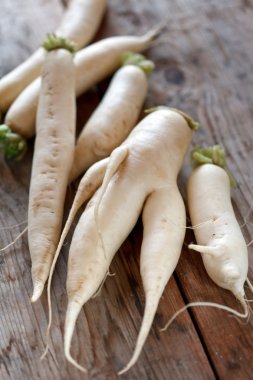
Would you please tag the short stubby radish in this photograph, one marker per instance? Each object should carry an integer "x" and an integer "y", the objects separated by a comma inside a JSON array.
[
  {"x": 219, "y": 237},
  {"x": 115, "y": 116},
  {"x": 140, "y": 174},
  {"x": 52, "y": 161},
  {"x": 93, "y": 64},
  {"x": 79, "y": 24}
]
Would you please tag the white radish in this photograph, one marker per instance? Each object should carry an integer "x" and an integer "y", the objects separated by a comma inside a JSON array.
[
  {"x": 81, "y": 21},
  {"x": 143, "y": 169},
  {"x": 13, "y": 83},
  {"x": 52, "y": 161},
  {"x": 87, "y": 187},
  {"x": 93, "y": 64},
  {"x": 115, "y": 116},
  {"x": 220, "y": 242},
  {"x": 218, "y": 234},
  {"x": 79, "y": 24}
]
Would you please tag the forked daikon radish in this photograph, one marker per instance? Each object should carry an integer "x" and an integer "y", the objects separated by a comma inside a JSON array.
[
  {"x": 141, "y": 172},
  {"x": 79, "y": 24},
  {"x": 52, "y": 161},
  {"x": 116, "y": 115},
  {"x": 93, "y": 64}
]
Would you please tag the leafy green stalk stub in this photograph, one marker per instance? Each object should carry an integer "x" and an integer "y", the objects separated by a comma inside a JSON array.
[
  {"x": 54, "y": 42},
  {"x": 12, "y": 145},
  {"x": 129, "y": 58},
  {"x": 211, "y": 155},
  {"x": 194, "y": 125}
]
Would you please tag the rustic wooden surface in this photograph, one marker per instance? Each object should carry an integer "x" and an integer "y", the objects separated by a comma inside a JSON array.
[{"x": 204, "y": 65}]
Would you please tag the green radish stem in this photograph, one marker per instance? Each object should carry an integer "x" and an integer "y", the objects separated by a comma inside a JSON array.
[
  {"x": 129, "y": 58},
  {"x": 12, "y": 144},
  {"x": 194, "y": 125},
  {"x": 54, "y": 42},
  {"x": 211, "y": 155}
]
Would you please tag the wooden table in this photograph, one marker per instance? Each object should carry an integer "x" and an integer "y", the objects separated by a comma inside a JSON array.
[{"x": 204, "y": 65}]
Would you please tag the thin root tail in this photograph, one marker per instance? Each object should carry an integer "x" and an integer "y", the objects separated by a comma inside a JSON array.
[
  {"x": 210, "y": 304},
  {"x": 14, "y": 241},
  {"x": 37, "y": 291},
  {"x": 249, "y": 284}
]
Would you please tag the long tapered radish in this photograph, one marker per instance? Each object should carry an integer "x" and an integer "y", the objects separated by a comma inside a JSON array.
[
  {"x": 93, "y": 64},
  {"x": 87, "y": 187},
  {"x": 79, "y": 24},
  {"x": 115, "y": 116},
  {"x": 143, "y": 168},
  {"x": 52, "y": 161},
  {"x": 220, "y": 242}
]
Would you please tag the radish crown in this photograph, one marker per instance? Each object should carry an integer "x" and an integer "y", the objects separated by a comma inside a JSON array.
[
  {"x": 129, "y": 58},
  {"x": 54, "y": 42},
  {"x": 211, "y": 155},
  {"x": 194, "y": 125},
  {"x": 12, "y": 145}
]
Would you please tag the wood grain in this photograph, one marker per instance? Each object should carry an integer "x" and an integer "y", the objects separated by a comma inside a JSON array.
[{"x": 204, "y": 66}]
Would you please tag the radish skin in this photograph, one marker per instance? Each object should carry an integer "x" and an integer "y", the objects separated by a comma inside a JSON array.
[
  {"x": 52, "y": 161},
  {"x": 220, "y": 242},
  {"x": 160, "y": 252},
  {"x": 79, "y": 24},
  {"x": 92, "y": 179},
  {"x": 218, "y": 234},
  {"x": 93, "y": 64},
  {"x": 13, "y": 83},
  {"x": 143, "y": 168},
  {"x": 112, "y": 120},
  {"x": 81, "y": 21}
]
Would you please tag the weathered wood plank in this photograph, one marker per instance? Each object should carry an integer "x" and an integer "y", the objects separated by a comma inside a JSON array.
[
  {"x": 217, "y": 69},
  {"x": 24, "y": 25},
  {"x": 106, "y": 328},
  {"x": 204, "y": 66}
]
